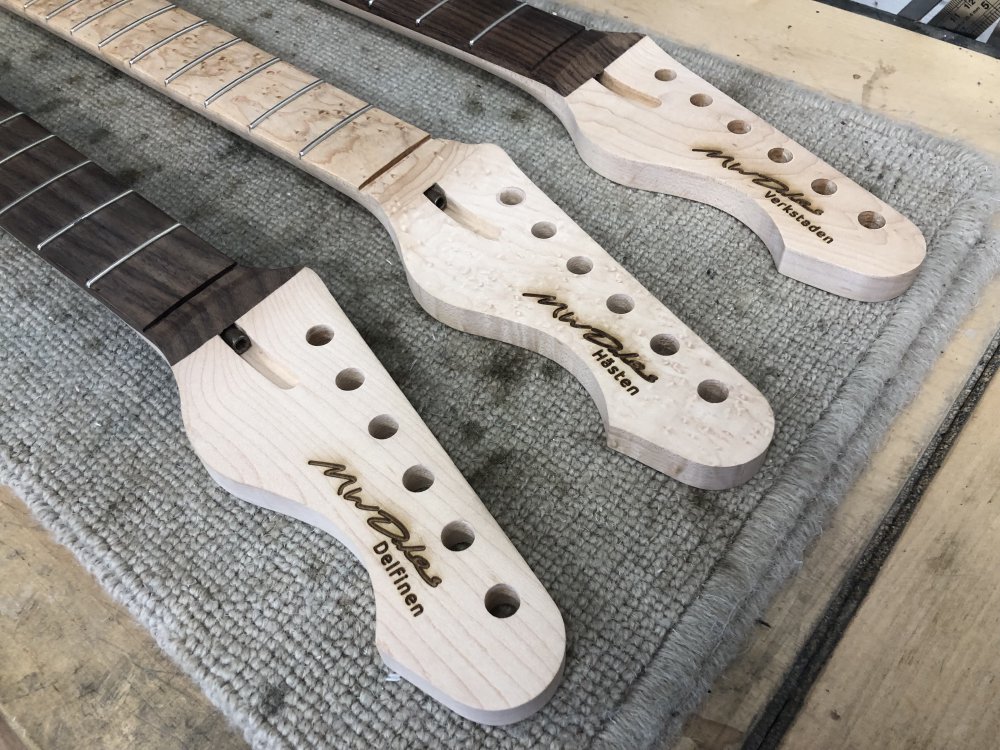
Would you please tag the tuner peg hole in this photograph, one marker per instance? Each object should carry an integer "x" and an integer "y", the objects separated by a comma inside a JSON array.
[
  {"x": 383, "y": 427},
  {"x": 665, "y": 74},
  {"x": 824, "y": 187},
  {"x": 740, "y": 127},
  {"x": 580, "y": 265},
  {"x": 418, "y": 478},
  {"x": 664, "y": 344},
  {"x": 713, "y": 391},
  {"x": 779, "y": 155},
  {"x": 502, "y": 601},
  {"x": 350, "y": 379},
  {"x": 319, "y": 335},
  {"x": 701, "y": 100},
  {"x": 510, "y": 196},
  {"x": 621, "y": 303},
  {"x": 544, "y": 230},
  {"x": 457, "y": 536},
  {"x": 871, "y": 220}
]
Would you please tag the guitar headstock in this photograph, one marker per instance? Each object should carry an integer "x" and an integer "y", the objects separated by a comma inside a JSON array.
[
  {"x": 650, "y": 123},
  {"x": 307, "y": 422},
  {"x": 486, "y": 251}
]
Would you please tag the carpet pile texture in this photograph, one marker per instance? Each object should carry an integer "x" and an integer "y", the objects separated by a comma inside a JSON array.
[{"x": 658, "y": 583}]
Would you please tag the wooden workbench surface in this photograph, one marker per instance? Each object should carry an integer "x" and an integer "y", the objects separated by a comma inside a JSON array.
[{"x": 73, "y": 664}]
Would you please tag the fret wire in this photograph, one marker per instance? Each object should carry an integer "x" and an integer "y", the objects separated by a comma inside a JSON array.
[
  {"x": 8, "y": 119},
  {"x": 496, "y": 23},
  {"x": 60, "y": 9},
  {"x": 288, "y": 100},
  {"x": 28, "y": 3},
  {"x": 424, "y": 15},
  {"x": 199, "y": 60},
  {"x": 130, "y": 254},
  {"x": 137, "y": 22},
  {"x": 157, "y": 45},
  {"x": 45, "y": 184},
  {"x": 249, "y": 74},
  {"x": 25, "y": 148},
  {"x": 76, "y": 221},
  {"x": 333, "y": 129},
  {"x": 97, "y": 14}
]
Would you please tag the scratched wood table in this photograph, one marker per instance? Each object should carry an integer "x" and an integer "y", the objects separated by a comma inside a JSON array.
[{"x": 76, "y": 671}]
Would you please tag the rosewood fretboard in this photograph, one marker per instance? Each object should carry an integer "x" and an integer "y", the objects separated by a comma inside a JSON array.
[
  {"x": 158, "y": 276},
  {"x": 514, "y": 35}
]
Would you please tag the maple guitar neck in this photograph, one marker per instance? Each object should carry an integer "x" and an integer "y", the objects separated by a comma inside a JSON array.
[
  {"x": 640, "y": 118},
  {"x": 289, "y": 409},
  {"x": 485, "y": 250}
]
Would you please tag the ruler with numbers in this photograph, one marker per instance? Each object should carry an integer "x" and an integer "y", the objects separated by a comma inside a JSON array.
[{"x": 966, "y": 23}]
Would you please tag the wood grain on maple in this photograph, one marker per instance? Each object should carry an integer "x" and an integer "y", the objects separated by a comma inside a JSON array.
[
  {"x": 644, "y": 120},
  {"x": 530, "y": 275}
]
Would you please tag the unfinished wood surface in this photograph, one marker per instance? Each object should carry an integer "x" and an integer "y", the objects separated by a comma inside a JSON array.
[
  {"x": 327, "y": 131},
  {"x": 76, "y": 671},
  {"x": 887, "y": 69},
  {"x": 485, "y": 250},
  {"x": 648, "y": 122},
  {"x": 746, "y": 686},
  {"x": 918, "y": 665},
  {"x": 497, "y": 257},
  {"x": 310, "y": 424}
]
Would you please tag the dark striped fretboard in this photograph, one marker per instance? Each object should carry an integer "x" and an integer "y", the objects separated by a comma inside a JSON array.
[
  {"x": 514, "y": 35},
  {"x": 158, "y": 276}
]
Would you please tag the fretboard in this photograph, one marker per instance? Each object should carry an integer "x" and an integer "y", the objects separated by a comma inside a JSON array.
[
  {"x": 541, "y": 46},
  {"x": 158, "y": 276},
  {"x": 329, "y": 133}
]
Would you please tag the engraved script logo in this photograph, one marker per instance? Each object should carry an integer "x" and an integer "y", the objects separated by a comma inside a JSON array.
[
  {"x": 774, "y": 191},
  {"x": 391, "y": 527},
  {"x": 611, "y": 347}
]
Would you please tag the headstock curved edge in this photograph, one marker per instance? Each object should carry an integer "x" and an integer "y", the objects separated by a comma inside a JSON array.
[
  {"x": 337, "y": 450},
  {"x": 501, "y": 260},
  {"x": 682, "y": 136}
]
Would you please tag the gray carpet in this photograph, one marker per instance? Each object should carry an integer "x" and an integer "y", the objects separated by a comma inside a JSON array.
[{"x": 658, "y": 583}]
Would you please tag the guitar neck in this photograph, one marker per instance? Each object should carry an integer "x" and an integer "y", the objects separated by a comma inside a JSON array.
[
  {"x": 155, "y": 274},
  {"x": 335, "y": 136},
  {"x": 511, "y": 35}
]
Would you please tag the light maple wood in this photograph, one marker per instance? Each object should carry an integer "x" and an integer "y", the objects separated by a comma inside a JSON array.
[
  {"x": 473, "y": 269},
  {"x": 257, "y": 425},
  {"x": 665, "y": 397},
  {"x": 918, "y": 664},
  {"x": 650, "y": 123}
]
